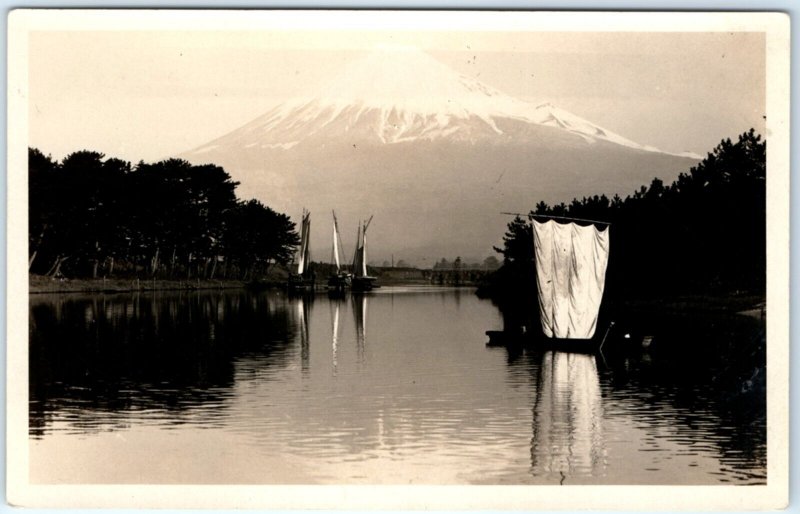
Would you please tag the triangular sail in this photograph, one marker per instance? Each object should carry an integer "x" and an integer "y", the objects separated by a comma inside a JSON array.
[
  {"x": 336, "y": 244},
  {"x": 307, "y": 248},
  {"x": 364, "y": 253},
  {"x": 336, "y": 249},
  {"x": 303, "y": 250},
  {"x": 357, "y": 258},
  {"x": 360, "y": 259}
]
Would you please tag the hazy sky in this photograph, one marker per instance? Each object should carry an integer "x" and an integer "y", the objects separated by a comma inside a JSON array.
[{"x": 150, "y": 95}]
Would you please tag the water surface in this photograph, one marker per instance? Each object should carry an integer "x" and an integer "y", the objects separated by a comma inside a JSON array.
[{"x": 394, "y": 387}]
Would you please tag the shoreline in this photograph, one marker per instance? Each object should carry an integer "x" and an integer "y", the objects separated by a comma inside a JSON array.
[
  {"x": 747, "y": 304},
  {"x": 44, "y": 285},
  {"x": 38, "y": 284}
]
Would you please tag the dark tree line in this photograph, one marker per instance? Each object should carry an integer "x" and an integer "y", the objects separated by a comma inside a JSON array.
[
  {"x": 704, "y": 233},
  {"x": 90, "y": 216}
]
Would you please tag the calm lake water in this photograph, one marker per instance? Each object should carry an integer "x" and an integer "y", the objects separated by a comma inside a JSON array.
[{"x": 393, "y": 387}]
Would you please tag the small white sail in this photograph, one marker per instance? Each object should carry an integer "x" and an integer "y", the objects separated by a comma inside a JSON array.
[
  {"x": 335, "y": 249},
  {"x": 336, "y": 243},
  {"x": 306, "y": 246},
  {"x": 364, "y": 253},
  {"x": 360, "y": 259},
  {"x": 357, "y": 258},
  {"x": 302, "y": 252}
]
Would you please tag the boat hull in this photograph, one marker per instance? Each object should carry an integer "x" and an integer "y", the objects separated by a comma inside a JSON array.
[
  {"x": 340, "y": 282},
  {"x": 363, "y": 283},
  {"x": 299, "y": 283},
  {"x": 527, "y": 340}
]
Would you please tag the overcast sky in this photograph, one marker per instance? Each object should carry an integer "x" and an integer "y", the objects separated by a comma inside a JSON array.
[{"x": 149, "y": 95}]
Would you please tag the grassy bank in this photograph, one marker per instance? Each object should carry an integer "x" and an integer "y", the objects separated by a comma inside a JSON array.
[{"x": 40, "y": 284}]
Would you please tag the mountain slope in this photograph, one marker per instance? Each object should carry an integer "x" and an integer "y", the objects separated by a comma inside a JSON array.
[{"x": 434, "y": 154}]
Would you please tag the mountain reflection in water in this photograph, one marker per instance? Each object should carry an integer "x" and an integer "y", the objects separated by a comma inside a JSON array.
[{"x": 238, "y": 387}]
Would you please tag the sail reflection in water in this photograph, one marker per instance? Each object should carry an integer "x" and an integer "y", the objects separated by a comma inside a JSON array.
[
  {"x": 265, "y": 388},
  {"x": 360, "y": 316},
  {"x": 567, "y": 417},
  {"x": 303, "y": 306},
  {"x": 335, "y": 332}
]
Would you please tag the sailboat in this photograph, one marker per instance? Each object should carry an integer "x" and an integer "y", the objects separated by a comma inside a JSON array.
[
  {"x": 571, "y": 257},
  {"x": 340, "y": 279},
  {"x": 361, "y": 280},
  {"x": 302, "y": 278}
]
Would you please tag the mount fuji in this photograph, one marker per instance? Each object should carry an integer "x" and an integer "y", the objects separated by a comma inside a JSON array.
[{"x": 434, "y": 154}]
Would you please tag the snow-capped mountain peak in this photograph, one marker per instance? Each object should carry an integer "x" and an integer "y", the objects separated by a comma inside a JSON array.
[
  {"x": 408, "y": 80},
  {"x": 402, "y": 94},
  {"x": 435, "y": 154}
]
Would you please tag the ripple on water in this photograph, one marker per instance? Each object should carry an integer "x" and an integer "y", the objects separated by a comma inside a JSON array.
[{"x": 397, "y": 386}]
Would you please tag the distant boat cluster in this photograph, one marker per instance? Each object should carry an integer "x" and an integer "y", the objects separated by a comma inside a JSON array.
[{"x": 304, "y": 279}]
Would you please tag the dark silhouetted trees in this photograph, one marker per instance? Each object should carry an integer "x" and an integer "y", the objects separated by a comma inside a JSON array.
[
  {"x": 705, "y": 232},
  {"x": 89, "y": 215},
  {"x": 257, "y": 236}
]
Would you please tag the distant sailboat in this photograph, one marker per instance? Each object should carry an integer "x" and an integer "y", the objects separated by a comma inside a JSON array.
[
  {"x": 340, "y": 279},
  {"x": 302, "y": 278},
  {"x": 361, "y": 280}
]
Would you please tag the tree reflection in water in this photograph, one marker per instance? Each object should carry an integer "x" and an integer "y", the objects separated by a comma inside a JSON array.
[{"x": 166, "y": 353}]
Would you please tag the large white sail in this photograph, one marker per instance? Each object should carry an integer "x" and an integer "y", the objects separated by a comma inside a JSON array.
[{"x": 571, "y": 263}]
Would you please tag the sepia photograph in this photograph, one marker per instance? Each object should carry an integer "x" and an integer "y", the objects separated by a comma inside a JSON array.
[{"x": 342, "y": 259}]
